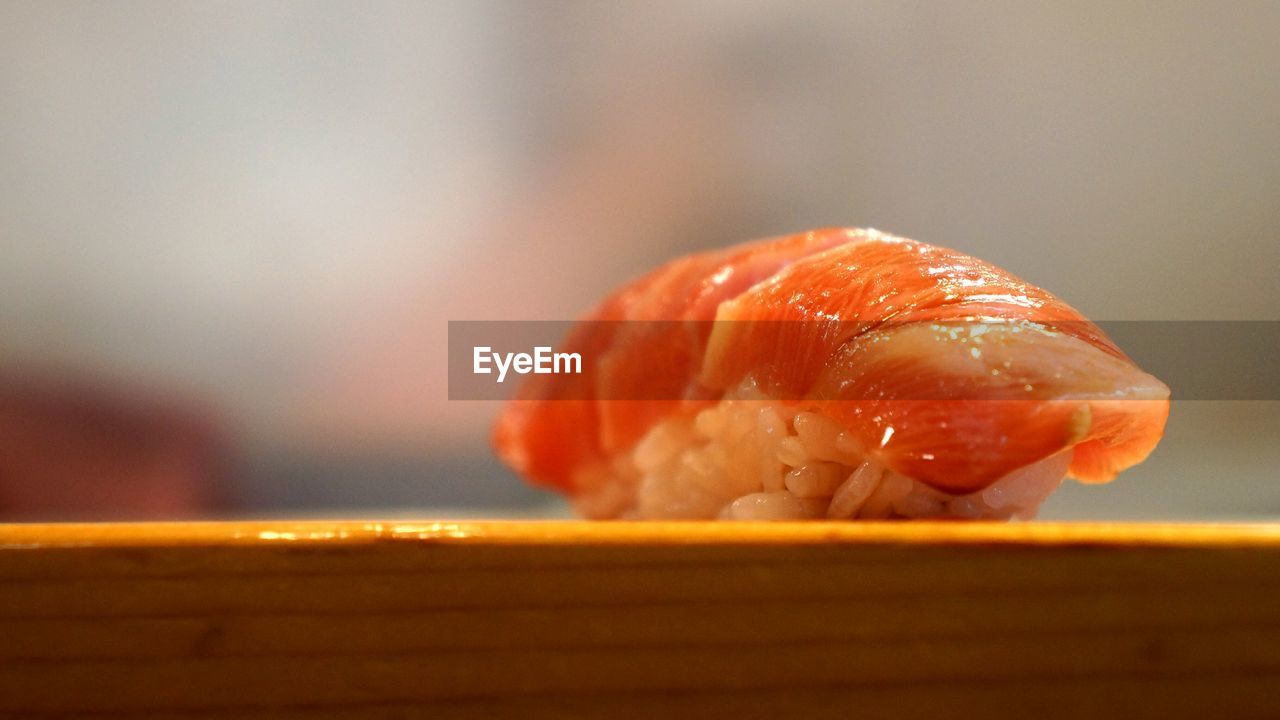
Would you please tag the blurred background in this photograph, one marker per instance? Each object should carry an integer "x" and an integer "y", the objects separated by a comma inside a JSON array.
[{"x": 232, "y": 233}]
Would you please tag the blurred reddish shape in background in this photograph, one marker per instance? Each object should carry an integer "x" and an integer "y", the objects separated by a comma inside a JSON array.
[{"x": 71, "y": 449}]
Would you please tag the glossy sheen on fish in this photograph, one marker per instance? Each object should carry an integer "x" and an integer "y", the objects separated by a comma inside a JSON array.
[{"x": 876, "y": 331}]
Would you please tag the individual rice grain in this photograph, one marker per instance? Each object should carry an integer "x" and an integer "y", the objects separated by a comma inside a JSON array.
[
  {"x": 741, "y": 423},
  {"x": 681, "y": 495},
  {"x": 922, "y": 501},
  {"x": 893, "y": 487},
  {"x": 660, "y": 446},
  {"x": 1022, "y": 490},
  {"x": 855, "y": 490},
  {"x": 818, "y": 435},
  {"x": 968, "y": 507},
  {"x": 815, "y": 479},
  {"x": 791, "y": 452},
  {"x": 772, "y": 506},
  {"x": 847, "y": 445},
  {"x": 710, "y": 422},
  {"x": 769, "y": 424},
  {"x": 771, "y": 474}
]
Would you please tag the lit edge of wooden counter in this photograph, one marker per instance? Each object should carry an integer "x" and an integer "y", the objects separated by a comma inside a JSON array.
[{"x": 401, "y": 619}]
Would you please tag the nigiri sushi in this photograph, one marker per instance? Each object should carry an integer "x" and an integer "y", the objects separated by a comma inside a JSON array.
[{"x": 838, "y": 373}]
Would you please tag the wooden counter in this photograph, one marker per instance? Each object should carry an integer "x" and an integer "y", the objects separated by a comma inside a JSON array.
[{"x": 346, "y": 619}]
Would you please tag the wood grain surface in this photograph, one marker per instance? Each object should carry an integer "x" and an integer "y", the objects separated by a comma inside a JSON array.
[{"x": 347, "y": 619}]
